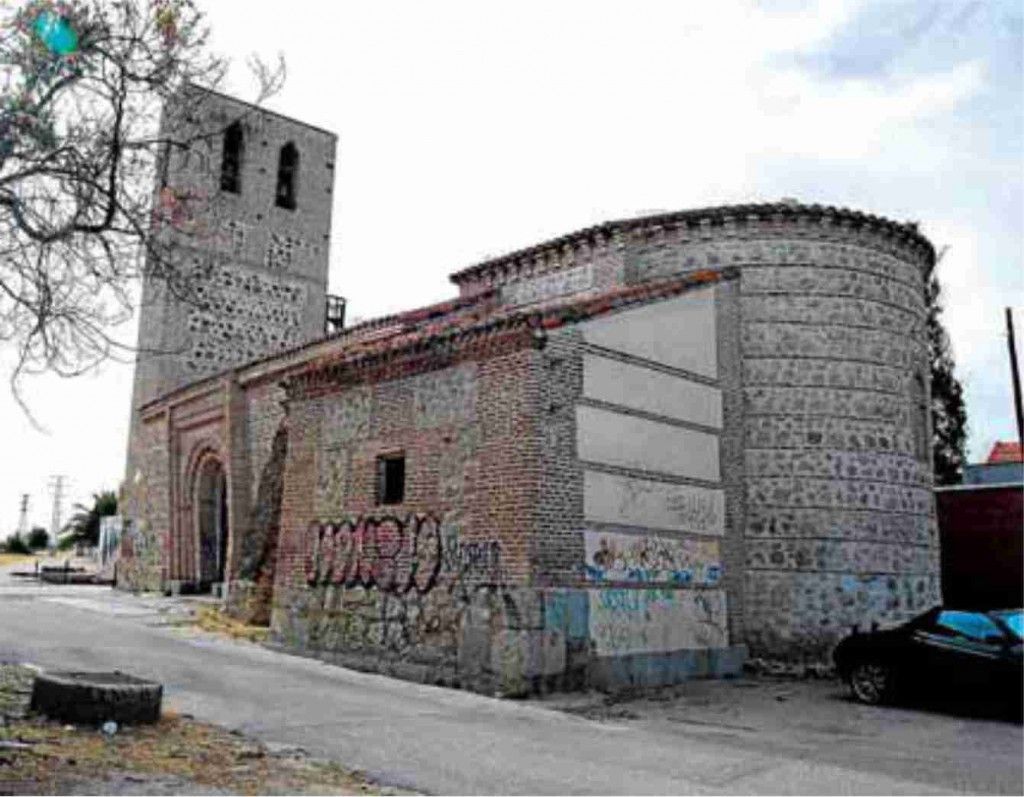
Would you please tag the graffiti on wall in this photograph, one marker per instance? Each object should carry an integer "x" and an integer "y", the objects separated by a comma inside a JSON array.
[
  {"x": 695, "y": 510},
  {"x": 626, "y": 621},
  {"x": 400, "y": 584},
  {"x": 626, "y": 557},
  {"x": 479, "y": 557},
  {"x": 390, "y": 554}
]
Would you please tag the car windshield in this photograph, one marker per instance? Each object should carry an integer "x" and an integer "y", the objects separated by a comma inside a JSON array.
[
  {"x": 1014, "y": 620},
  {"x": 969, "y": 625}
]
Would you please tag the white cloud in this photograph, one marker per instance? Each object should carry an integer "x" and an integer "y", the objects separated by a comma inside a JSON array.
[{"x": 854, "y": 118}]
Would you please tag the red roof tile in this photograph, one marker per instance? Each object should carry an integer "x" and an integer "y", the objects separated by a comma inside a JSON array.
[
  {"x": 1005, "y": 452},
  {"x": 469, "y": 320}
]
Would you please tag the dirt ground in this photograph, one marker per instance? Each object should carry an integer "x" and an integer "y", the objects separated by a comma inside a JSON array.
[{"x": 177, "y": 755}]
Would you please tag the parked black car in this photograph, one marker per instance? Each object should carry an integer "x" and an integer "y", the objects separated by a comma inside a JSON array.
[{"x": 950, "y": 653}]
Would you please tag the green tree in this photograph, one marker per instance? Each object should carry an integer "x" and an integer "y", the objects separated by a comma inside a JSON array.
[
  {"x": 949, "y": 413},
  {"x": 84, "y": 526},
  {"x": 16, "y": 544},
  {"x": 37, "y": 538}
]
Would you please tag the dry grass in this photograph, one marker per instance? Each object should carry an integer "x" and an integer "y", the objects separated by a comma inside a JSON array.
[
  {"x": 42, "y": 757},
  {"x": 58, "y": 755},
  {"x": 18, "y": 559},
  {"x": 214, "y": 620}
]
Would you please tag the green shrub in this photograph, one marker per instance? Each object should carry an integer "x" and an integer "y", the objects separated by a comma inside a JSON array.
[{"x": 16, "y": 544}]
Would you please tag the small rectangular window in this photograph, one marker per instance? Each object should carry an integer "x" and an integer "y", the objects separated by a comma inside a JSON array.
[{"x": 391, "y": 479}]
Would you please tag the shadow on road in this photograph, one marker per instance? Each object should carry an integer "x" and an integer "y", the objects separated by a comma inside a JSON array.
[{"x": 991, "y": 709}]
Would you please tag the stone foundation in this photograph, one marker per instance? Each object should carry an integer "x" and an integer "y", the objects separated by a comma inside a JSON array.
[{"x": 511, "y": 642}]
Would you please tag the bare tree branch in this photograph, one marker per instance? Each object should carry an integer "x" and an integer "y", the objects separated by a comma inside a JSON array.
[{"x": 83, "y": 84}]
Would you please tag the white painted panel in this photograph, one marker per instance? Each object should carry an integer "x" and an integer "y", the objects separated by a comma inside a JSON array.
[
  {"x": 629, "y": 442},
  {"x": 624, "y": 621},
  {"x": 629, "y": 501},
  {"x": 679, "y": 332},
  {"x": 652, "y": 391}
]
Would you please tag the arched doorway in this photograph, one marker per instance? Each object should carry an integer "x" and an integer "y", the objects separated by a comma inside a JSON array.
[{"x": 211, "y": 502}]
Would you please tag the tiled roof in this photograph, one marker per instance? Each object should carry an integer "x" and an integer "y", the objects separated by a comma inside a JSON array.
[
  {"x": 474, "y": 324},
  {"x": 714, "y": 215},
  {"x": 380, "y": 328},
  {"x": 1005, "y": 452}
]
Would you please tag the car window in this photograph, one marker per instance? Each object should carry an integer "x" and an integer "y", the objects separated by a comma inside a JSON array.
[
  {"x": 974, "y": 626},
  {"x": 1014, "y": 621}
]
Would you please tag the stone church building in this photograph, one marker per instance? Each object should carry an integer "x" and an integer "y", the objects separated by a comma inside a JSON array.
[{"x": 626, "y": 456}]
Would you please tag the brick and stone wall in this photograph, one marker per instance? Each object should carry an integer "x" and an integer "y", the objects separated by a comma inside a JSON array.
[
  {"x": 526, "y": 554},
  {"x": 436, "y": 587},
  {"x": 826, "y": 408},
  {"x": 840, "y": 518},
  {"x": 260, "y": 271},
  {"x": 629, "y": 453},
  {"x": 839, "y": 514},
  {"x": 256, "y": 280},
  {"x": 633, "y": 519}
]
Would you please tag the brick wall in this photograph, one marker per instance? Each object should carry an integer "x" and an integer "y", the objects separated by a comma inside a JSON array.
[{"x": 403, "y": 588}]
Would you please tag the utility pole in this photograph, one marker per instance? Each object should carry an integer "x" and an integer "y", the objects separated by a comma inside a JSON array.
[
  {"x": 1015, "y": 375},
  {"x": 57, "y": 486},
  {"x": 23, "y": 517}
]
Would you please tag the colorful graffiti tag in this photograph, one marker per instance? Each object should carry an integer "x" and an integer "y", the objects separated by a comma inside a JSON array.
[
  {"x": 627, "y": 621},
  {"x": 629, "y": 558}
]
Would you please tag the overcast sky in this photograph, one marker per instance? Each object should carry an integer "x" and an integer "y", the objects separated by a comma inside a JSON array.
[{"x": 468, "y": 129}]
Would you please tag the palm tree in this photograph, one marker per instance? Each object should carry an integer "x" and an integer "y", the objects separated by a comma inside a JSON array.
[{"x": 84, "y": 525}]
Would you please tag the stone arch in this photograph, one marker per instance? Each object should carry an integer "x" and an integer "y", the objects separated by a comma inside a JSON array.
[{"x": 205, "y": 538}]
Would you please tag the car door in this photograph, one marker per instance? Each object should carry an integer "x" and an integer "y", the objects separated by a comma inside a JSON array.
[{"x": 959, "y": 651}]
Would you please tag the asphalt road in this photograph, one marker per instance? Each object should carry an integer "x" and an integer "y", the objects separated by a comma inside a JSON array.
[{"x": 438, "y": 740}]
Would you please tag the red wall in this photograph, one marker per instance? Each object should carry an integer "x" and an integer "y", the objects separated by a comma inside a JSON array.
[{"x": 982, "y": 556}]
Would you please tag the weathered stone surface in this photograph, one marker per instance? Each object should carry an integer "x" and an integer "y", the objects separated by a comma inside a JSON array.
[{"x": 750, "y": 450}]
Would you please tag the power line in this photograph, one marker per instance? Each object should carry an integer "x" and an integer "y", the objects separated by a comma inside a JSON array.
[{"x": 1015, "y": 377}]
